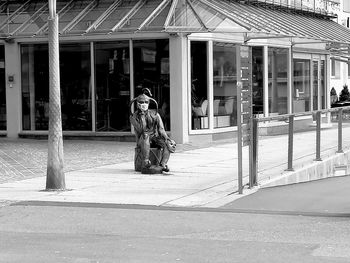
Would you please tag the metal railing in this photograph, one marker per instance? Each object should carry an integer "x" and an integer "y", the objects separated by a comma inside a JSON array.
[{"x": 339, "y": 113}]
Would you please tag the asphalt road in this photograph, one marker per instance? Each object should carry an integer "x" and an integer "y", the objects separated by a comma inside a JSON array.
[
  {"x": 48, "y": 232},
  {"x": 326, "y": 197}
]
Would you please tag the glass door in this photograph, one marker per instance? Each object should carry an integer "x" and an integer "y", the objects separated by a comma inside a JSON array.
[
  {"x": 302, "y": 85},
  {"x": 112, "y": 66},
  {"x": 318, "y": 84}
]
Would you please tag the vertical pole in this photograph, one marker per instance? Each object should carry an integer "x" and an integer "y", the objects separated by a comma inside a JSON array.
[
  {"x": 266, "y": 81},
  {"x": 289, "y": 81},
  {"x": 290, "y": 143},
  {"x": 55, "y": 179},
  {"x": 318, "y": 136},
  {"x": 255, "y": 151},
  {"x": 239, "y": 120},
  {"x": 340, "y": 130},
  {"x": 239, "y": 136}
]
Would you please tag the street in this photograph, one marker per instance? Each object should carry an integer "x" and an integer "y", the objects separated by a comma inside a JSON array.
[
  {"x": 305, "y": 222},
  {"x": 68, "y": 232}
]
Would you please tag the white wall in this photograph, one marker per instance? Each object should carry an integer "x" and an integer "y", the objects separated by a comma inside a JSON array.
[
  {"x": 178, "y": 88},
  {"x": 13, "y": 92}
]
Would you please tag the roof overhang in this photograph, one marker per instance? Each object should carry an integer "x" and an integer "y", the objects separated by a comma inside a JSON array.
[{"x": 28, "y": 19}]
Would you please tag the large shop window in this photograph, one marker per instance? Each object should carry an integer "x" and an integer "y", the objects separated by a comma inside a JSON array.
[
  {"x": 199, "y": 85},
  {"x": 278, "y": 80},
  {"x": 224, "y": 84},
  {"x": 75, "y": 86},
  {"x": 258, "y": 79},
  {"x": 151, "y": 70},
  {"x": 112, "y": 67},
  {"x": 2, "y": 89},
  {"x": 301, "y": 96}
]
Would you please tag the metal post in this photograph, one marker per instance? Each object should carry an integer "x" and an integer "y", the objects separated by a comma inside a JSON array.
[
  {"x": 340, "y": 130},
  {"x": 239, "y": 137},
  {"x": 255, "y": 151},
  {"x": 55, "y": 179},
  {"x": 290, "y": 143},
  {"x": 318, "y": 136}
]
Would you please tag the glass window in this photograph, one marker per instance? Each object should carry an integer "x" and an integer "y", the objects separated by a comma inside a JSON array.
[
  {"x": 2, "y": 89},
  {"x": 335, "y": 68},
  {"x": 151, "y": 70},
  {"x": 112, "y": 69},
  {"x": 224, "y": 84},
  {"x": 278, "y": 80},
  {"x": 35, "y": 86},
  {"x": 75, "y": 86},
  {"x": 301, "y": 96},
  {"x": 258, "y": 80},
  {"x": 199, "y": 85}
]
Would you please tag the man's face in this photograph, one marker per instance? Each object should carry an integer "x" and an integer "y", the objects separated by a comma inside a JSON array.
[{"x": 143, "y": 104}]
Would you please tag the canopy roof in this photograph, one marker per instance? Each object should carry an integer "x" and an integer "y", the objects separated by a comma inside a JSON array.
[{"x": 90, "y": 17}]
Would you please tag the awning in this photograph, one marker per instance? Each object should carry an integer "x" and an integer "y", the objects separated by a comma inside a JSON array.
[{"x": 89, "y": 17}]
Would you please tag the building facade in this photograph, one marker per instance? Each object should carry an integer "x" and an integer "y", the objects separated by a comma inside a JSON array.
[
  {"x": 340, "y": 70},
  {"x": 189, "y": 53}
]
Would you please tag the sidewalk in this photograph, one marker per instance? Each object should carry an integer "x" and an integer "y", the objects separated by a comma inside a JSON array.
[
  {"x": 197, "y": 177},
  {"x": 200, "y": 176}
]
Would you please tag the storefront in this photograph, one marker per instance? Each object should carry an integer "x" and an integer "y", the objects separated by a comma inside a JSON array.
[{"x": 185, "y": 52}]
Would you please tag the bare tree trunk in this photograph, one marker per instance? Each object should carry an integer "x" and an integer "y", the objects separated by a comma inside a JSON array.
[{"x": 55, "y": 179}]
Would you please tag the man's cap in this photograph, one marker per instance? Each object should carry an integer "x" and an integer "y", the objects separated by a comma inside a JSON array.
[{"x": 142, "y": 97}]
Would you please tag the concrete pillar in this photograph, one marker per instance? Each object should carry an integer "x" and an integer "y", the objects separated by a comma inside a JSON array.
[
  {"x": 179, "y": 88},
  {"x": 13, "y": 89}
]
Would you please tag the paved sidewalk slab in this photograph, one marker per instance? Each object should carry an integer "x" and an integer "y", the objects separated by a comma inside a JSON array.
[{"x": 199, "y": 177}]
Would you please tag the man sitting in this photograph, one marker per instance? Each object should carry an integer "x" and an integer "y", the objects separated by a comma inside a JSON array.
[{"x": 150, "y": 132}]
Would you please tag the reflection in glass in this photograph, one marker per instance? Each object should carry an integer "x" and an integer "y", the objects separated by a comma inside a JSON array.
[
  {"x": 75, "y": 86},
  {"x": 278, "y": 80},
  {"x": 301, "y": 100},
  {"x": 2, "y": 89},
  {"x": 225, "y": 84},
  {"x": 112, "y": 67},
  {"x": 35, "y": 87},
  {"x": 258, "y": 80},
  {"x": 151, "y": 70},
  {"x": 199, "y": 80}
]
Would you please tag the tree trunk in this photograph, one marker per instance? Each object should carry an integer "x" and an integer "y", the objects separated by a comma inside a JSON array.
[{"x": 55, "y": 179}]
